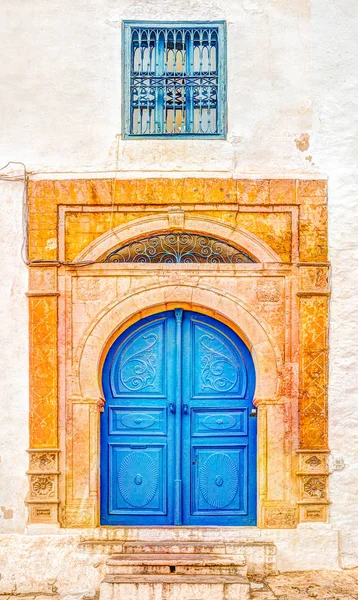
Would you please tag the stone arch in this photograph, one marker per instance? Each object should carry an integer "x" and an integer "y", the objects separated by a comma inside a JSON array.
[
  {"x": 223, "y": 306},
  {"x": 178, "y": 221}
]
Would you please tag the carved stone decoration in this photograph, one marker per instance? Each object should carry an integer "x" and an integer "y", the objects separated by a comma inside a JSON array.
[
  {"x": 313, "y": 461},
  {"x": 269, "y": 291},
  {"x": 87, "y": 289},
  {"x": 315, "y": 513},
  {"x": 77, "y": 517},
  {"x": 44, "y": 461},
  {"x": 176, "y": 219},
  {"x": 43, "y": 513},
  {"x": 42, "y": 486},
  {"x": 43, "y": 279},
  {"x": 284, "y": 518},
  {"x": 314, "y": 278},
  {"x": 314, "y": 487}
]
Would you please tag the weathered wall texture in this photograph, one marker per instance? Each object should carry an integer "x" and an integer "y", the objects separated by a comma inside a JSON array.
[
  {"x": 293, "y": 111},
  {"x": 14, "y": 437}
]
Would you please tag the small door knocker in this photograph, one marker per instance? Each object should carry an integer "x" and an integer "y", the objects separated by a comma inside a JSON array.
[{"x": 172, "y": 407}]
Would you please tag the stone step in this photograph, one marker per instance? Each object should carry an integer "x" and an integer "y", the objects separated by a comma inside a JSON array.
[
  {"x": 175, "y": 587},
  {"x": 186, "y": 563},
  {"x": 260, "y": 555},
  {"x": 183, "y": 559},
  {"x": 174, "y": 547}
]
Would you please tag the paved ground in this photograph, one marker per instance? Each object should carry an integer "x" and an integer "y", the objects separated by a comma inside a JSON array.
[{"x": 317, "y": 585}]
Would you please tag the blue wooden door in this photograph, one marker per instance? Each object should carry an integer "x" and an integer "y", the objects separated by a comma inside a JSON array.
[{"x": 178, "y": 444}]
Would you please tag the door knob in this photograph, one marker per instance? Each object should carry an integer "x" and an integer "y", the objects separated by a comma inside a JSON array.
[
  {"x": 185, "y": 409},
  {"x": 172, "y": 407}
]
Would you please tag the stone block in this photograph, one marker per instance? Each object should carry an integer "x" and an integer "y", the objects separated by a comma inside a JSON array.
[{"x": 175, "y": 587}]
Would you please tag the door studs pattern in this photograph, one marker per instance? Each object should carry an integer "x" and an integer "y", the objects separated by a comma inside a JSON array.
[
  {"x": 138, "y": 479},
  {"x": 219, "y": 480}
]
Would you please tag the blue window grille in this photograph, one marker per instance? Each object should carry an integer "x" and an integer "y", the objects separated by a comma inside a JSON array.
[{"x": 174, "y": 79}]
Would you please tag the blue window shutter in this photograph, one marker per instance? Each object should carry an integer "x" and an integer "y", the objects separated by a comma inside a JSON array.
[{"x": 174, "y": 79}]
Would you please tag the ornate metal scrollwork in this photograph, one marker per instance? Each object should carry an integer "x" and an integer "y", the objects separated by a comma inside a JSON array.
[{"x": 179, "y": 248}]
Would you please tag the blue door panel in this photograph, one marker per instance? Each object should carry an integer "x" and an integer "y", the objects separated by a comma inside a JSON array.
[
  {"x": 138, "y": 483},
  {"x": 218, "y": 368},
  {"x": 219, "y": 480},
  {"x": 137, "y": 435},
  {"x": 138, "y": 365},
  {"x": 216, "y": 422},
  {"x": 137, "y": 420},
  {"x": 187, "y": 369}
]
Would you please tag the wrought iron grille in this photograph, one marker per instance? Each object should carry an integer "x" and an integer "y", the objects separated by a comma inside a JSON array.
[
  {"x": 176, "y": 79},
  {"x": 179, "y": 248}
]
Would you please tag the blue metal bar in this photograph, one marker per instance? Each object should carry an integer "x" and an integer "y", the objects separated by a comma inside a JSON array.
[
  {"x": 189, "y": 42},
  {"x": 178, "y": 484}
]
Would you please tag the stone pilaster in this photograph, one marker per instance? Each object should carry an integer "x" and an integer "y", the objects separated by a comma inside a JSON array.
[
  {"x": 313, "y": 409},
  {"x": 42, "y": 498}
]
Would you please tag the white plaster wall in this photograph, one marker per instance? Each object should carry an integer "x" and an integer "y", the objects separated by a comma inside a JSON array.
[
  {"x": 335, "y": 144},
  {"x": 62, "y": 82},
  {"x": 292, "y": 72},
  {"x": 13, "y": 361}
]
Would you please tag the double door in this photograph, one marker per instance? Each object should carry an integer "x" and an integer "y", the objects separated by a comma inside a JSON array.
[{"x": 178, "y": 433}]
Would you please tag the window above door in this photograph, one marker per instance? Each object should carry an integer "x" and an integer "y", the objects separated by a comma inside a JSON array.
[{"x": 174, "y": 79}]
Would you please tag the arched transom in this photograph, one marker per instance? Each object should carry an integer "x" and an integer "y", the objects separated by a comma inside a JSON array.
[{"x": 178, "y": 248}]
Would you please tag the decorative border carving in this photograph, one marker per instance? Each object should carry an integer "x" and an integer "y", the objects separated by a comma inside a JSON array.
[
  {"x": 43, "y": 461},
  {"x": 78, "y": 517},
  {"x": 43, "y": 371},
  {"x": 313, "y": 372},
  {"x": 279, "y": 516}
]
